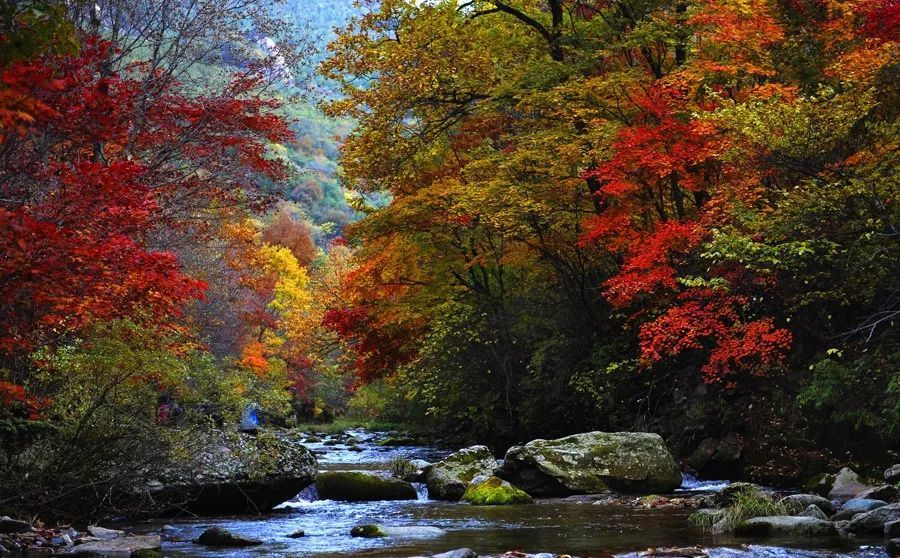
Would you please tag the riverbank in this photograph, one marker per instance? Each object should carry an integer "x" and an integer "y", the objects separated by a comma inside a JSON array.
[{"x": 580, "y": 525}]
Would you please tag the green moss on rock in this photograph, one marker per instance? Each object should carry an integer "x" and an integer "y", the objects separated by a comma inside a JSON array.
[
  {"x": 362, "y": 487},
  {"x": 493, "y": 491},
  {"x": 448, "y": 479},
  {"x": 367, "y": 531}
]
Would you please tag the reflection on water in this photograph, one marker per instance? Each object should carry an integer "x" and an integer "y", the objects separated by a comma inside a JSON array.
[{"x": 574, "y": 526}]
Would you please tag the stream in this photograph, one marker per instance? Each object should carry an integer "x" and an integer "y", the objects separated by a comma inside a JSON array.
[{"x": 579, "y": 526}]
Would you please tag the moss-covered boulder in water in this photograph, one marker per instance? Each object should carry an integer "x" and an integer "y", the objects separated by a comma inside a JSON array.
[
  {"x": 448, "y": 479},
  {"x": 367, "y": 531},
  {"x": 493, "y": 491},
  {"x": 591, "y": 463},
  {"x": 362, "y": 487}
]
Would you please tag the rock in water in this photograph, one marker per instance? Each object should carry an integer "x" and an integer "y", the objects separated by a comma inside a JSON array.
[
  {"x": 104, "y": 533},
  {"x": 593, "y": 462},
  {"x": 216, "y": 536},
  {"x": 862, "y": 505},
  {"x": 367, "y": 531},
  {"x": 235, "y": 473},
  {"x": 120, "y": 547},
  {"x": 846, "y": 485},
  {"x": 458, "y": 553},
  {"x": 493, "y": 491},
  {"x": 786, "y": 525},
  {"x": 353, "y": 486},
  {"x": 874, "y": 521},
  {"x": 813, "y": 511},
  {"x": 799, "y": 502},
  {"x": 448, "y": 479}
]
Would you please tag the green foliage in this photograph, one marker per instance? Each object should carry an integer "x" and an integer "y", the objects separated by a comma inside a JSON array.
[
  {"x": 745, "y": 504},
  {"x": 857, "y": 395}
]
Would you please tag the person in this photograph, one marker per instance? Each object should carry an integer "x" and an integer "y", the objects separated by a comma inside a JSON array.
[{"x": 249, "y": 419}]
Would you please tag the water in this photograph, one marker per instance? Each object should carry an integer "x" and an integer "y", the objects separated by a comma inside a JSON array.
[{"x": 582, "y": 526}]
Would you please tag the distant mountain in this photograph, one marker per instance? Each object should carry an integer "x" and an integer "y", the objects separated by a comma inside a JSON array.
[{"x": 315, "y": 153}]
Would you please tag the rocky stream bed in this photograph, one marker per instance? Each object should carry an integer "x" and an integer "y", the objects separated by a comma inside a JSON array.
[{"x": 580, "y": 498}]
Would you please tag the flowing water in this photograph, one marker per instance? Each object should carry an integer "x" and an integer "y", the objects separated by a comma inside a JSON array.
[{"x": 579, "y": 526}]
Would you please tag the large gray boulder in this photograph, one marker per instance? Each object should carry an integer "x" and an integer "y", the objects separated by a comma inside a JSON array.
[
  {"x": 235, "y": 473},
  {"x": 786, "y": 525},
  {"x": 353, "y": 486},
  {"x": 846, "y": 485},
  {"x": 874, "y": 521},
  {"x": 448, "y": 479},
  {"x": 591, "y": 463}
]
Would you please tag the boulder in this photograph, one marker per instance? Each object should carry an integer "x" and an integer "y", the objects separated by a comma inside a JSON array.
[
  {"x": 367, "y": 532},
  {"x": 447, "y": 479},
  {"x": 458, "y": 553},
  {"x": 493, "y": 491},
  {"x": 813, "y": 511},
  {"x": 799, "y": 502},
  {"x": 892, "y": 474},
  {"x": 786, "y": 525},
  {"x": 235, "y": 473},
  {"x": 9, "y": 525},
  {"x": 846, "y": 485},
  {"x": 299, "y": 533},
  {"x": 591, "y": 463},
  {"x": 354, "y": 486},
  {"x": 103, "y": 533},
  {"x": 883, "y": 492},
  {"x": 394, "y": 441},
  {"x": 874, "y": 521},
  {"x": 219, "y": 537},
  {"x": 862, "y": 505},
  {"x": 134, "y": 545}
]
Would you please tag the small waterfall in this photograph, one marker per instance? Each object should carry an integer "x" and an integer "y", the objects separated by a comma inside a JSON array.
[
  {"x": 308, "y": 494},
  {"x": 421, "y": 490}
]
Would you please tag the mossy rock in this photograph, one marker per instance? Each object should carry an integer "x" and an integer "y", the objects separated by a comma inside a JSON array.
[
  {"x": 494, "y": 491},
  {"x": 367, "y": 532},
  {"x": 353, "y": 486},
  {"x": 448, "y": 479},
  {"x": 592, "y": 463},
  {"x": 393, "y": 441}
]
